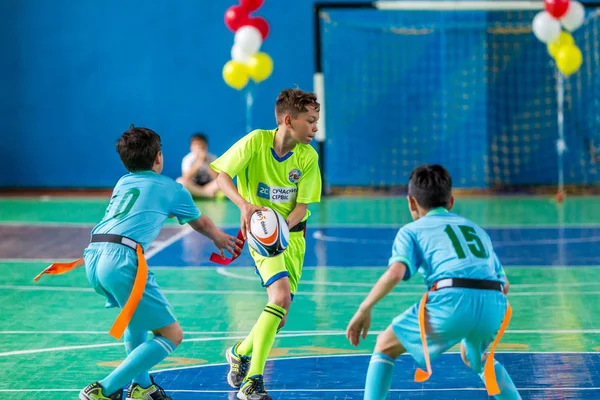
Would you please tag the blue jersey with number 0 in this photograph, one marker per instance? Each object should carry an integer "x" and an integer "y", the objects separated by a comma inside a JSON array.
[{"x": 140, "y": 204}]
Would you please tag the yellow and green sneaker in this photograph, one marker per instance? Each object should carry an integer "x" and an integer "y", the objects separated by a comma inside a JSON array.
[
  {"x": 152, "y": 392},
  {"x": 94, "y": 392}
]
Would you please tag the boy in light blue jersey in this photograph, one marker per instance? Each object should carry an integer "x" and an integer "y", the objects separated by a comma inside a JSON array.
[
  {"x": 465, "y": 302},
  {"x": 115, "y": 265}
]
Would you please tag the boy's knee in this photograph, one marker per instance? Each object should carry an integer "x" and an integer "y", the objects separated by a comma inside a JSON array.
[
  {"x": 176, "y": 336},
  {"x": 173, "y": 333},
  {"x": 279, "y": 294},
  {"x": 282, "y": 299},
  {"x": 388, "y": 344}
]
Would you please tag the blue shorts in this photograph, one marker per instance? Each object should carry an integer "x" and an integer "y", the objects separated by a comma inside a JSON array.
[
  {"x": 453, "y": 315},
  {"x": 111, "y": 270}
]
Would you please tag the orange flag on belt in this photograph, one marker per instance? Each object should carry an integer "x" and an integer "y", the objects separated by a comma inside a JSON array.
[{"x": 60, "y": 268}]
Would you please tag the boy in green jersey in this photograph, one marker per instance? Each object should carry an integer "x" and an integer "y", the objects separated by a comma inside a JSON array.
[{"x": 277, "y": 169}]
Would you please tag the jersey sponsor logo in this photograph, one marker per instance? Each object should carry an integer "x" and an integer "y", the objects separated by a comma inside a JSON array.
[
  {"x": 294, "y": 175},
  {"x": 276, "y": 194}
]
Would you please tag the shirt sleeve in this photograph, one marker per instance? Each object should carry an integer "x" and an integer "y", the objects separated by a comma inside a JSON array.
[
  {"x": 187, "y": 163},
  {"x": 237, "y": 157},
  {"x": 309, "y": 186},
  {"x": 404, "y": 251},
  {"x": 183, "y": 206}
]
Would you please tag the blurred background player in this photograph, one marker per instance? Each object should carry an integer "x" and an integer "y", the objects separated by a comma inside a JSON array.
[
  {"x": 196, "y": 174},
  {"x": 467, "y": 284},
  {"x": 277, "y": 169}
]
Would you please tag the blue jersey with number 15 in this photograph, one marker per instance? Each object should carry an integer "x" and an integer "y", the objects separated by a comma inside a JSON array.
[
  {"x": 140, "y": 204},
  {"x": 445, "y": 245}
]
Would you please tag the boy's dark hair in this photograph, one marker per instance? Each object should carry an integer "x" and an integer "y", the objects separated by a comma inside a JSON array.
[
  {"x": 431, "y": 186},
  {"x": 199, "y": 136},
  {"x": 294, "y": 102},
  {"x": 138, "y": 148}
]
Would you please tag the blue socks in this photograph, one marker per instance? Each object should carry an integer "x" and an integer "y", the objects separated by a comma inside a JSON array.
[
  {"x": 132, "y": 340},
  {"x": 508, "y": 391},
  {"x": 379, "y": 377},
  {"x": 139, "y": 361}
]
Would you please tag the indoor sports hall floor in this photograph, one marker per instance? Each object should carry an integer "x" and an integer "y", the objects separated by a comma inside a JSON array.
[{"x": 54, "y": 341}]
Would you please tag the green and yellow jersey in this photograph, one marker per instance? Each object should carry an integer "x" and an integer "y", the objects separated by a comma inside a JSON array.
[{"x": 265, "y": 179}]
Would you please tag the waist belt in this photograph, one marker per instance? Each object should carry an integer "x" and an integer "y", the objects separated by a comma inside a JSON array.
[
  {"x": 489, "y": 373},
  {"x": 110, "y": 238},
  {"x": 299, "y": 227},
  {"x": 467, "y": 284},
  {"x": 139, "y": 283}
]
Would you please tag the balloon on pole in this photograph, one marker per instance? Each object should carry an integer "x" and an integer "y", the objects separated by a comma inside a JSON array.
[
  {"x": 556, "y": 8},
  {"x": 545, "y": 27},
  {"x": 568, "y": 59},
  {"x": 261, "y": 24},
  {"x": 235, "y": 17},
  {"x": 248, "y": 39},
  {"x": 235, "y": 74},
  {"x": 564, "y": 39},
  {"x": 574, "y": 16},
  {"x": 251, "y": 5},
  {"x": 260, "y": 67}
]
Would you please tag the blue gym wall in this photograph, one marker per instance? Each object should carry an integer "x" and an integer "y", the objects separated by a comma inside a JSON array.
[{"x": 75, "y": 74}]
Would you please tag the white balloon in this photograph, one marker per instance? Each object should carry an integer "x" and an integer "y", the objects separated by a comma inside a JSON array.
[
  {"x": 248, "y": 39},
  {"x": 545, "y": 27},
  {"x": 574, "y": 16},
  {"x": 237, "y": 54}
]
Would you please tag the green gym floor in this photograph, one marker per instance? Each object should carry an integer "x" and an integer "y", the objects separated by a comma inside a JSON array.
[{"x": 54, "y": 338}]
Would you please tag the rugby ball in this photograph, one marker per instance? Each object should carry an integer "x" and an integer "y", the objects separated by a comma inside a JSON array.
[{"x": 269, "y": 234}]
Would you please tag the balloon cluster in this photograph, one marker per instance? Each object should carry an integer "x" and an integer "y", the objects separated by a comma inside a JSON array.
[
  {"x": 250, "y": 32},
  {"x": 561, "y": 45}
]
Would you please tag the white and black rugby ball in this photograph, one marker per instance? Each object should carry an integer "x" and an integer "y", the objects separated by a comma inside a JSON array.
[{"x": 269, "y": 234}]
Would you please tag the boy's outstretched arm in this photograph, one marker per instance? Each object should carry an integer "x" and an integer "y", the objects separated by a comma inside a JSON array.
[
  {"x": 226, "y": 185},
  {"x": 359, "y": 324},
  {"x": 222, "y": 241}
]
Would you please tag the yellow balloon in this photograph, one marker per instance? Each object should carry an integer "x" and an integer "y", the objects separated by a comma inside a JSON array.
[
  {"x": 568, "y": 59},
  {"x": 235, "y": 74},
  {"x": 260, "y": 67},
  {"x": 564, "y": 39}
]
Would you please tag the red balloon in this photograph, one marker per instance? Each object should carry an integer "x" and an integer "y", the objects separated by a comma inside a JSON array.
[
  {"x": 556, "y": 8},
  {"x": 261, "y": 24},
  {"x": 236, "y": 17},
  {"x": 251, "y": 5}
]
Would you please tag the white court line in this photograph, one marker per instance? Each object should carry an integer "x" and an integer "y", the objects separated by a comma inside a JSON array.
[
  {"x": 313, "y": 332},
  {"x": 186, "y": 333},
  {"x": 18, "y": 224},
  {"x": 300, "y": 293},
  {"x": 223, "y": 271},
  {"x": 224, "y": 338},
  {"x": 524, "y": 389},
  {"x": 34, "y": 260},
  {"x": 227, "y": 272},
  {"x": 166, "y": 243}
]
